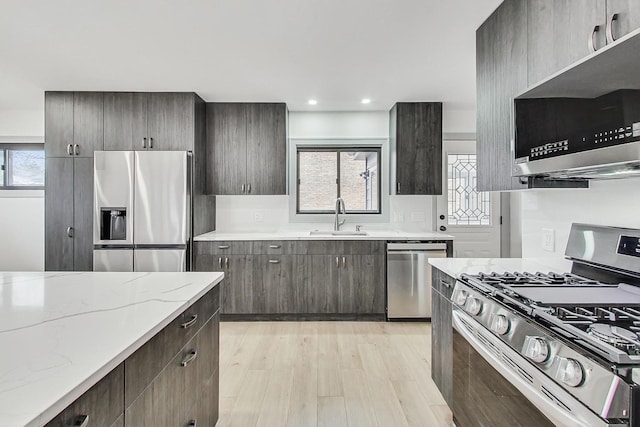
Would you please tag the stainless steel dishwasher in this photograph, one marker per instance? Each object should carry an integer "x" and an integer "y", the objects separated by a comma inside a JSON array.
[{"x": 409, "y": 278}]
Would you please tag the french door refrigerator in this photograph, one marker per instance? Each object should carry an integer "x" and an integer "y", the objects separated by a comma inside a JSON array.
[{"x": 142, "y": 210}]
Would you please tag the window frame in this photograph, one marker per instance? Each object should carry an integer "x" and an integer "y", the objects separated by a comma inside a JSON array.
[
  {"x": 5, "y": 147},
  {"x": 338, "y": 149}
]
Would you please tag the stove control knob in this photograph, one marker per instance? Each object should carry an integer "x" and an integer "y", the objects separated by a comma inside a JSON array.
[
  {"x": 570, "y": 372},
  {"x": 460, "y": 297},
  {"x": 474, "y": 306},
  {"x": 500, "y": 324},
  {"x": 536, "y": 349}
]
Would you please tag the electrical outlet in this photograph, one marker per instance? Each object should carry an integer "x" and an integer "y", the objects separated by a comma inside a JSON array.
[
  {"x": 548, "y": 239},
  {"x": 258, "y": 216}
]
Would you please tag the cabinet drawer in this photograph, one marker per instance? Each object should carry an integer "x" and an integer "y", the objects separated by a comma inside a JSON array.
[
  {"x": 442, "y": 282},
  {"x": 224, "y": 248},
  {"x": 313, "y": 247},
  {"x": 102, "y": 403},
  {"x": 268, "y": 247},
  {"x": 145, "y": 364}
]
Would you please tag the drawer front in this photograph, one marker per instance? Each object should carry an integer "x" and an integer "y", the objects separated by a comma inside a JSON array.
[
  {"x": 145, "y": 364},
  {"x": 268, "y": 247},
  {"x": 229, "y": 247},
  {"x": 102, "y": 403},
  {"x": 313, "y": 247}
]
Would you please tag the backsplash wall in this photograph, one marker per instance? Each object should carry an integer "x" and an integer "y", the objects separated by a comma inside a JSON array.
[{"x": 610, "y": 202}]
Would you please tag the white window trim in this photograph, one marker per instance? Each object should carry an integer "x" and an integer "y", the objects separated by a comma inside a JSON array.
[{"x": 352, "y": 219}]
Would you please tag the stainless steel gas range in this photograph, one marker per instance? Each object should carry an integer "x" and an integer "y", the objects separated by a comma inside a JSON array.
[{"x": 569, "y": 343}]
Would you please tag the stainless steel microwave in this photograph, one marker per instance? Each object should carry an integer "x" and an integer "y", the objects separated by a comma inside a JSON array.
[{"x": 583, "y": 122}]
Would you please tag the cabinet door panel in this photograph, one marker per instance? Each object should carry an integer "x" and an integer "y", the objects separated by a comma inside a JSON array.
[
  {"x": 103, "y": 403},
  {"x": 58, "y": 123},
  {"x": 226, "y": 139},
  {"x": 88, "y": 122},
  {"x": 279, "y": 290},
  {"x": 628, "y": 16},
  {"x": 418, "y": 143},
  {"x": 58, "y": 203},
  {"x": 322, "y": 289},
  {"x": 238, "y": 296},
  {"x": 558, "y": 33},
  {"x": 83, "y": 214},
  {"x": 266, "y": 149},
  {"x": 171, "y": 121},
  {"x": 501, "y": 74},
  {"x": 361, "y": 282},
  {"x": 125, "y": 120}
]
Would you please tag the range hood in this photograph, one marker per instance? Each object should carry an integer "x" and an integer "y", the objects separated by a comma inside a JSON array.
[{"x": 584, "y": 121}]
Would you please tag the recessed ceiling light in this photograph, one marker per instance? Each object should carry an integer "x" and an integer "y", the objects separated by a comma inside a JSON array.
[
  {"x": 312, "y": 102},
  {"x": 366, "y": 101}
]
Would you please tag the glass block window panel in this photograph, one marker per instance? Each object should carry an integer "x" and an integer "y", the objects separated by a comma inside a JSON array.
[
  {"x": 317, "y": 180},
  {"x": 358, "y": 180},
  {"x": 466, "y": 206}
]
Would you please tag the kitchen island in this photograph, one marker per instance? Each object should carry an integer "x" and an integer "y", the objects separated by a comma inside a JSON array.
[{"x": 63, "y": 334}]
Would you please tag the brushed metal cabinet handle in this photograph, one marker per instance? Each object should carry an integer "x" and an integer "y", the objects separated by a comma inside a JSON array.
[
  {"x": 151, "y": 143},
  {"x": 144, "y": 143},
  {"x": 612, "y": 19},
  {"x": 190, "y": 357},
  {"x": 223, "y": 246},
  {"x": 76, "y": 149},
  {"x": 190, "y": 322},
  {"x": 337, "y": 262},
  {"x": 445, "y": 283},
  {"x": 220, "y": 262},
  {"x": 81, "y": 421},
  {"x": 193, "y": 423},
  {"x": 274, "y": 246},
  {"x": 69, "y": 231},
  {"x": 344, "y": 262},
  {"x": 274, "y": 261},
  {"x": 248, "y": 188},
  {"x": 397, "y": 188},
  {"x": 592, "y": 39},
  {"x": 226, "y": 262},
  {"x": 242, "y": 188},
  {"x": 69, "y": 150}
]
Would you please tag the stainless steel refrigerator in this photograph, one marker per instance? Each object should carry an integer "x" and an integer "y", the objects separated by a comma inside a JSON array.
[{"x": 142, "y": 210}]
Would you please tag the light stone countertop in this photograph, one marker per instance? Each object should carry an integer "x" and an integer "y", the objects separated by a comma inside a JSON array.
[
  {"x": 456, "y": 266},
  {"x": 305, "y": 235},
  {"x": 61, "y": 332}
]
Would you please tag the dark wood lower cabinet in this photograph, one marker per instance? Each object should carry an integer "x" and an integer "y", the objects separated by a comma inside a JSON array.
[
  {"x": 171, "y": 380},
  {"x": 441, "y": 334}
]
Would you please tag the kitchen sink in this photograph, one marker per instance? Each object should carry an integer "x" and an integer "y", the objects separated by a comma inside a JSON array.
[{"x": 338, "y": 233}]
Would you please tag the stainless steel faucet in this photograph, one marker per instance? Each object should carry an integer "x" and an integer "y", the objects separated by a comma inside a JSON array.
[{"x": 339, "y": 205}]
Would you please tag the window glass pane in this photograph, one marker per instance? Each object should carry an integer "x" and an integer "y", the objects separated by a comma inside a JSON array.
[
  {"x": 466, "y": 206},
  {"x": 359, "y": 180},
  {"x": 25, "y": 168},
  {"x": 318, "y": 188},
  {"x": 2, "y": 172}
]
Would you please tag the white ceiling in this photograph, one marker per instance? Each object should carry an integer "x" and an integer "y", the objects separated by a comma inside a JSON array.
[{"x": 336, "y": 51}]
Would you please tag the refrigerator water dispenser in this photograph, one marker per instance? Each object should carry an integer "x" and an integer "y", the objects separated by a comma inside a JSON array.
[{"x": 113, "y": 224}]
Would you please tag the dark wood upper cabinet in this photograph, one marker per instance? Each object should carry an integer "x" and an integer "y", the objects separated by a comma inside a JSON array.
[
  {"x": 58, "y": 123},
  {"x": 266, "y": 149},
  {"x": 627, "y": 19},
  {"x": 125, "y": 120},
  {"x": 88, "y": 124},
  {"x": 501, "y": 74},
  {"x": 170, "y": 121},
  {"x": 247, "y": 146},
  {"x": 416, "y": 143}
]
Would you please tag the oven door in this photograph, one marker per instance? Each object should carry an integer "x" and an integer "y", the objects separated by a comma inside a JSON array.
[{"x": 494, "y": 385}]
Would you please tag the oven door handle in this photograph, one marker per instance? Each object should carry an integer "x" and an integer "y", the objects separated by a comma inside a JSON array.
[{"x": 580, "y": 416}]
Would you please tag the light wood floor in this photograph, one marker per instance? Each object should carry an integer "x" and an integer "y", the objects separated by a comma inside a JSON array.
[{"x": 333, "y": 374}]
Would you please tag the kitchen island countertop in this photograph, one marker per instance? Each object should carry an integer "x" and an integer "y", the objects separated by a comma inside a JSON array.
[
  {"x": 306, "y": 235},
  {"x": 61, "y": 332},
  {"x": 454, "y": 267}
]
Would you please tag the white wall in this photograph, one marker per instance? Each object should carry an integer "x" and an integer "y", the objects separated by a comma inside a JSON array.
[
  {"x": 611, "y": 202},
  {"x": 21, "y": 212}
]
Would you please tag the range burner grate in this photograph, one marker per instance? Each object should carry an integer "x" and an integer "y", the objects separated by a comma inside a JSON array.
[{"x": 535, "y": 279}]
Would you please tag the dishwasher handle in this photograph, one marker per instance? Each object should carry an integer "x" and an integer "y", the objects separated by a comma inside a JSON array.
[{"x": 393, "y": 247}]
